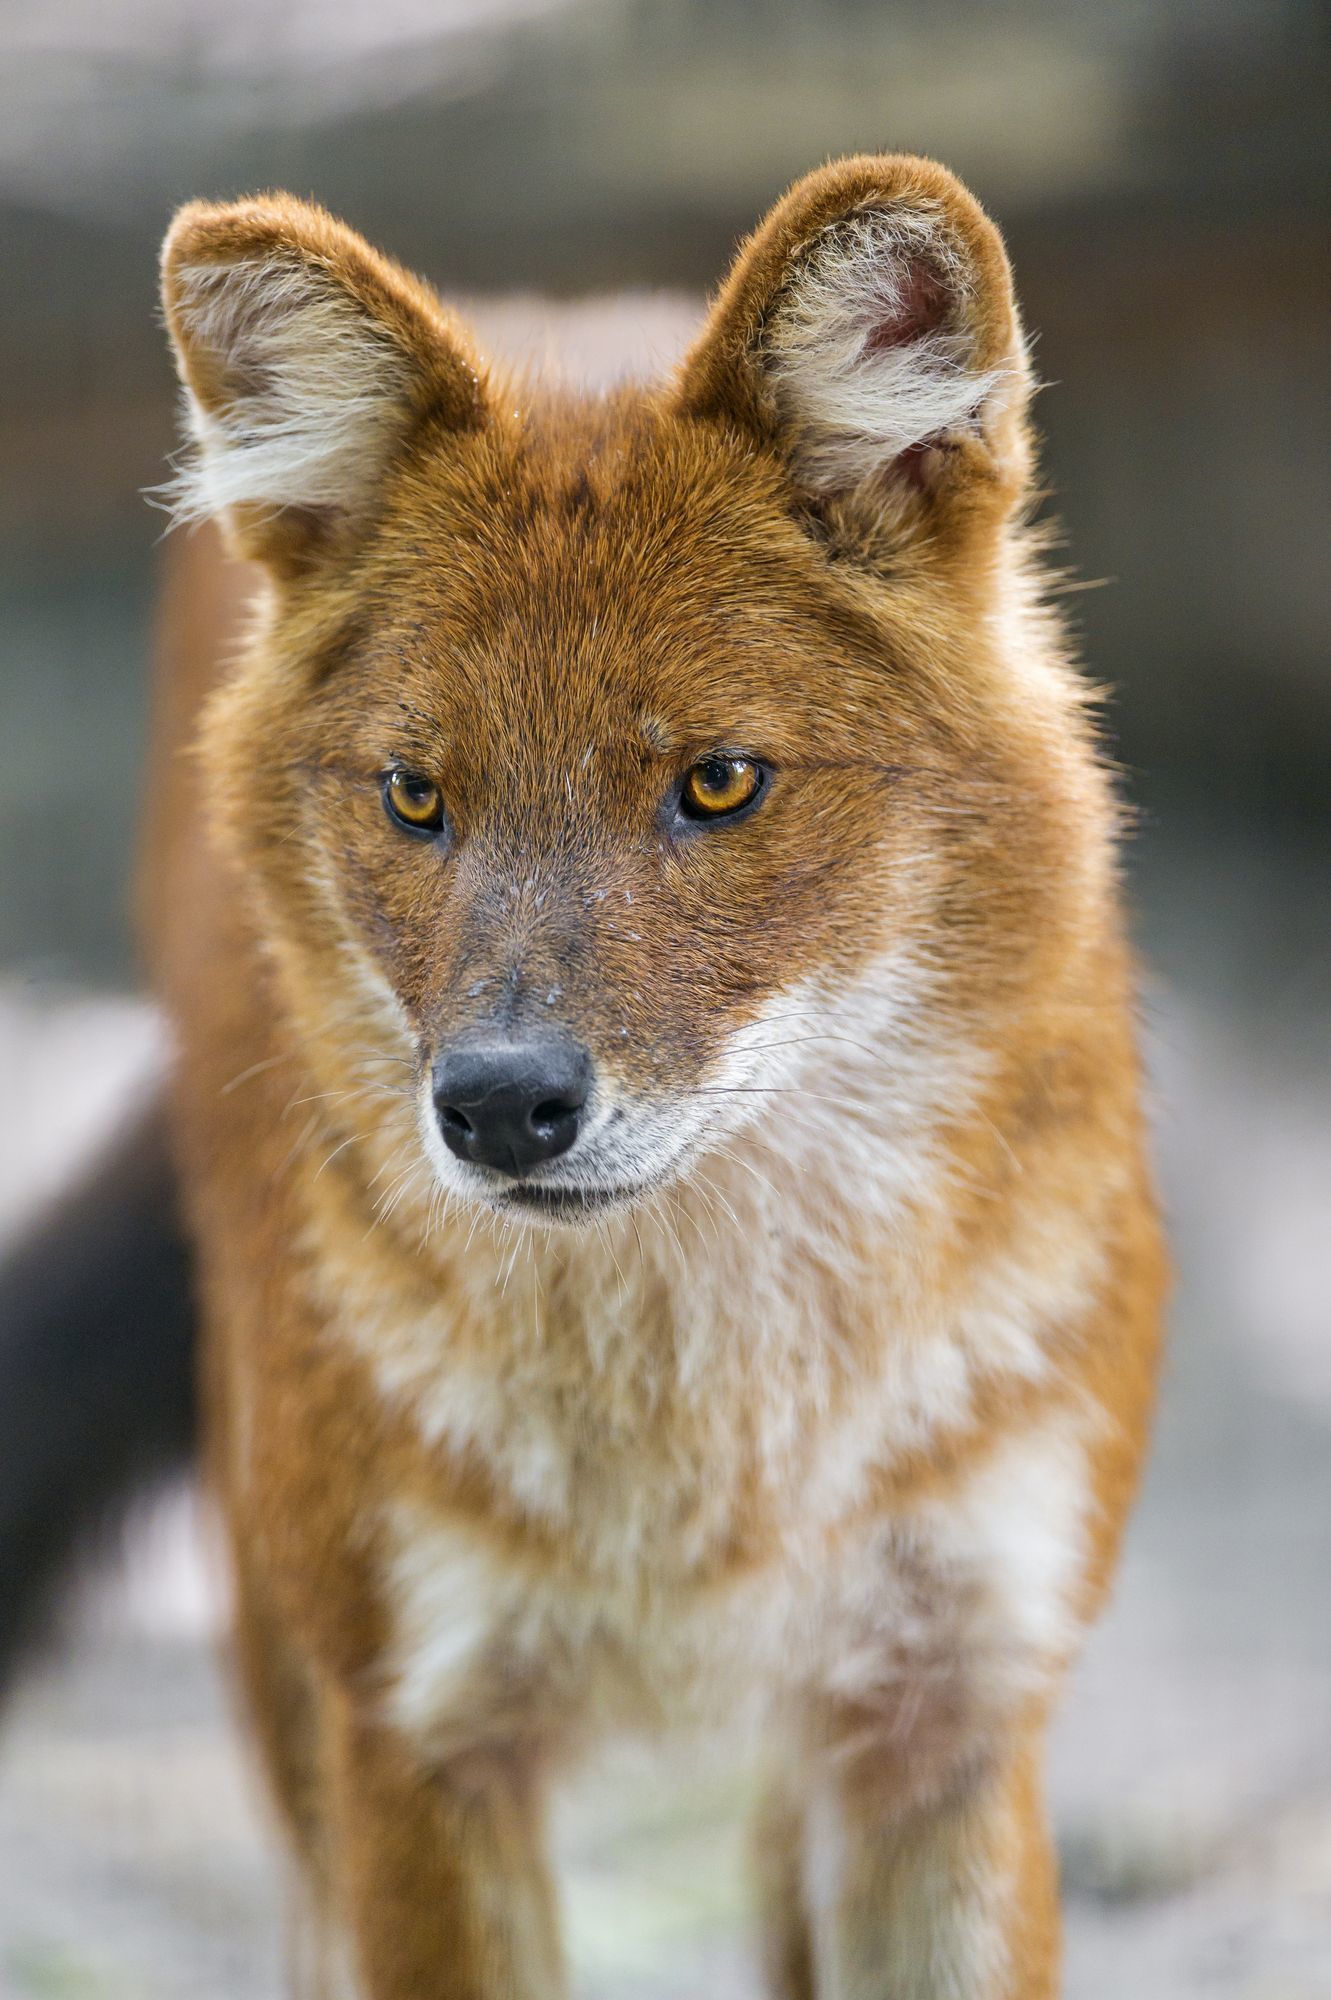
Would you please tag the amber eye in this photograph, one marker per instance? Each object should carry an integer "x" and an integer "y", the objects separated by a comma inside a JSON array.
[
  {"x": 413, "y": 802},
  {"x": 717, "y": 786}
]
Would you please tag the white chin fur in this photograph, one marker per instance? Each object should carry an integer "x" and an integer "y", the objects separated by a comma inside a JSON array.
[{"x": 868, "y": 1075}]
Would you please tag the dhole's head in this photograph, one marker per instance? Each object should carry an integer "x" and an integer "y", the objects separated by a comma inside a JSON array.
[{"x": 606, "y": 764}]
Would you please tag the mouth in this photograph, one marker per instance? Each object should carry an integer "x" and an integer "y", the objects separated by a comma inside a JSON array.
[{"x": 572, "y": 1204}]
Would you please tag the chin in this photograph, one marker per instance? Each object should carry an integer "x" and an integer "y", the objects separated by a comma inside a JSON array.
[{"x": 573, "y": 1207}]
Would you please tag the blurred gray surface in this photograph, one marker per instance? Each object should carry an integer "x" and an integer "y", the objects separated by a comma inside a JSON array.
[{"x": 1192, "y": 1767}]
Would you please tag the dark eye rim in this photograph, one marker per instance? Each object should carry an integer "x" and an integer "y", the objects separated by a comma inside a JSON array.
[
  {"x": 692, "y": 820},
  {"x": 430, "y": 829}
]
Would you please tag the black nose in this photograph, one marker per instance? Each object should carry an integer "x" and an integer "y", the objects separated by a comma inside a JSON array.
[{"x": 511, "y": 1105}]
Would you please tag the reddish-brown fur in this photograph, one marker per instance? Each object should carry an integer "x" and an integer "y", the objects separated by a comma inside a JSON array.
[{"x": 552, "y": 605}]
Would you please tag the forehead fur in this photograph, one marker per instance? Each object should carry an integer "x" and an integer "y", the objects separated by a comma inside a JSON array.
[
  {"x": 608, "y": 547},
  {"x": 615, "y": 476}
]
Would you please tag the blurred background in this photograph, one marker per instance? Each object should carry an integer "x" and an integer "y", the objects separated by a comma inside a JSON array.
[{"x": 1159, "y": 168}]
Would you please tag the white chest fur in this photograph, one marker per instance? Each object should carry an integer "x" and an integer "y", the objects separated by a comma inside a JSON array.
[
  {"x": 760, "y": 1352},
  {"x": 943, "y": 1617}
]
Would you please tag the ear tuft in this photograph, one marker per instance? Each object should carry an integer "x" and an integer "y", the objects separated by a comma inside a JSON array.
[
  {"x": 309, "y": 391},
  {"x": 868, "y": 320},
  {"x": 871, "y": 348},
  {"x": 307, "y": 361}
]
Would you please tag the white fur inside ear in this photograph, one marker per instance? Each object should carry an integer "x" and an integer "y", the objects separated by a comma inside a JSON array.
[
  {"x": 319, "y": 392},
  {"x": 853, "y": 398}
]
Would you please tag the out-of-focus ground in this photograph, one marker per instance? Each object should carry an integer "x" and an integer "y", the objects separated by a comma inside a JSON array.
[{"x": 1192, "y": 1766}]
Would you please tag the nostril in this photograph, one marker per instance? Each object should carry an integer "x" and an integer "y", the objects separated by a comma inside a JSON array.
[
  {"x": 453, "y": 1121},
  {"x": 552, "y": 1111}
]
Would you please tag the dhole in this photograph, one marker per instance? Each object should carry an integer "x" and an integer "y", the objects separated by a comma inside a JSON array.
[{"x": 656, "y": 1098}]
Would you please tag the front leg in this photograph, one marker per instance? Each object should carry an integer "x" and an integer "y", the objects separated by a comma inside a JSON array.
[
  {"x": 441, "y": 1869},
  {"x": 952, "y": 1898}
]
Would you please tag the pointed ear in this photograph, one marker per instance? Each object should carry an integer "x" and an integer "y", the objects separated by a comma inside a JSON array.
[
  {"x": 307, "y": 361},
  {"x": 868, "y": 331}
]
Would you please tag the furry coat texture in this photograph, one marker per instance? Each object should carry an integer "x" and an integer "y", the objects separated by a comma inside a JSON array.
[{"x": 804, "y": 1392}]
